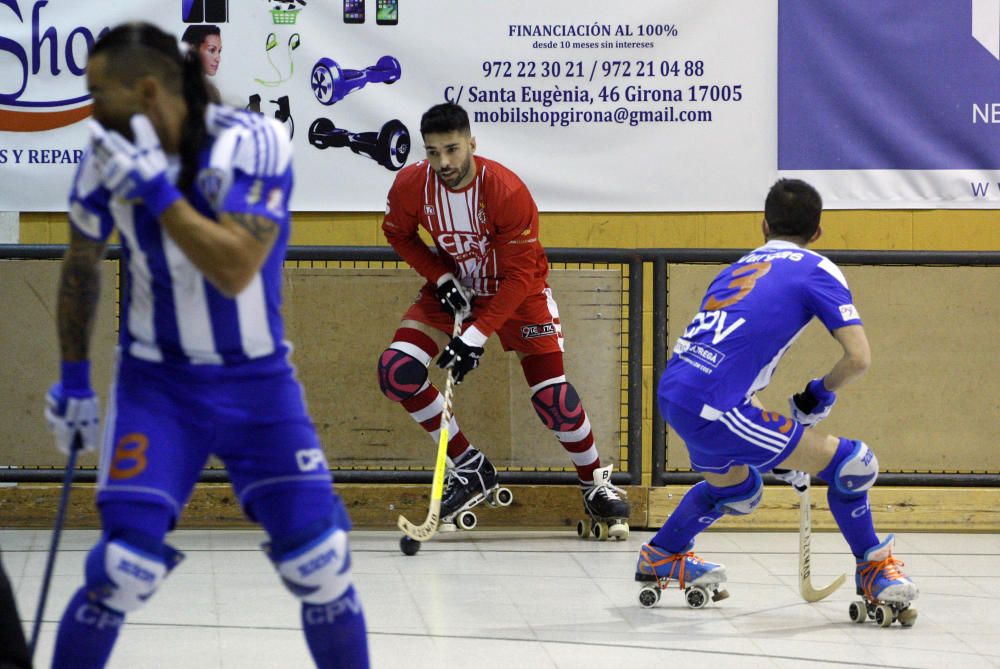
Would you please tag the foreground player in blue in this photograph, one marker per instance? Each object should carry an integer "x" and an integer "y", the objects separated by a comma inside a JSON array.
[
  {"x": 199, "y": 196},
  {"x": 751, "y": 314}
]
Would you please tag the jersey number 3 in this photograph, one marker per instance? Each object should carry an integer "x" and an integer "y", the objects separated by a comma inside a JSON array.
[{"x": 744, "y": 279}]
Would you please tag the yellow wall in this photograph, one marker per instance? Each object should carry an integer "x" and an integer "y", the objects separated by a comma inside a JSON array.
[{"x": 895, "y": 230}]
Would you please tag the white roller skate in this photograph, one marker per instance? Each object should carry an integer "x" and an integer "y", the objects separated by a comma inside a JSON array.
[
  {"x": 700, "y": 580},
  {"x": 469, "y": 483},
  {"x": 608, "y": 512},
  {"x": 887, "y": 591}
]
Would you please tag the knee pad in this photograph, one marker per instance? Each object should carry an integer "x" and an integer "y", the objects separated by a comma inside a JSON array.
[
  {"x": 400, "y": 375},
  {"x": 857, "y": 470},
  {"x": 558, "y": 406},
  {"x": 319, "y": 571},
  {"x": 124, "y": 572},
  {"x": 746, "y": 498}
]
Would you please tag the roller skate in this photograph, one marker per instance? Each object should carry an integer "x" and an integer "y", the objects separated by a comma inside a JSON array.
[
  {"x": 887, "y": 592},
  {"x": 608, "y": 512},
  {"x": 700, "y": 580},
  {"x": 469, "y": 483}
]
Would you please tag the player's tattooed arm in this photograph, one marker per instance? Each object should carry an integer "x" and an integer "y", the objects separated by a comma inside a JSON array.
[
  {"x": 79, "y": 292},
  {"x": 260, "y": 228}
]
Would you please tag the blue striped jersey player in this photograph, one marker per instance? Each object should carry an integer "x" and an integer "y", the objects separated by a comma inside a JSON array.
[
  {"x": 751, "y": 314},
  {"x": 198, "y": 194}
]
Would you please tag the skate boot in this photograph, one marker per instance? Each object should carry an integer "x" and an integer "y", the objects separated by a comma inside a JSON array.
[
  {"x": 608, "y": 512},
  {"x": 887, "y": 591},
  {"x": 470, "y": 482},
  {"x": 696, "y": 577}
]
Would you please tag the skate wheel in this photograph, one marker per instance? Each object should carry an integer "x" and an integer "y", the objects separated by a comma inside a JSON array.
[
  {"x": 618, "y": 531},
  {"x": 907, "y": 617},
  {"x": 649, "y": 596},
  {"x": 503, "y": 496},
  {"x": 582, "y": 529},
  {"x": 466, "y": 520},
  {"x": 600, "y": 530},
  {"x": 883, "y": 615},
  {"x": 408, "y": 545},
  {"x": 858, "y": 611},
  {"x": 696, "y": 597}
]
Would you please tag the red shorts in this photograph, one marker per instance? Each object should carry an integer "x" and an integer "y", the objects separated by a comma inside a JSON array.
[{"x": 532, "y": 329}]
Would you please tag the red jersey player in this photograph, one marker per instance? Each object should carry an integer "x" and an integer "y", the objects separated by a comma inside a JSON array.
[{"x": 489, "y": 266}]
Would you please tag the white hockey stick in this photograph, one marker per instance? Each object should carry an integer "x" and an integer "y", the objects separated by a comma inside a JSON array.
[
  {"x": 806, "y": 589},
  {"x": 426, "y": 530}
]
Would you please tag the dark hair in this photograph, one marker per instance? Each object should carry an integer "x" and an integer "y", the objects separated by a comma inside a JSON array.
[
  {"x": 195, "y": 35},
  {"x": 139, "y": 49},
  {"x": 444, "y": 118},
  {"x": 792, "y": 209}
]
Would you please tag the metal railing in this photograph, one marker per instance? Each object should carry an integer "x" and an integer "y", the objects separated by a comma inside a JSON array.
[{"x": 635, "y": 261}]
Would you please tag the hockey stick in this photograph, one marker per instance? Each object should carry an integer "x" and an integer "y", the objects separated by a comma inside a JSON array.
[
  {"x": 50, "y": 562},
  {"x": 426, "y": 530},
  {"x": 806, "y": 589}
]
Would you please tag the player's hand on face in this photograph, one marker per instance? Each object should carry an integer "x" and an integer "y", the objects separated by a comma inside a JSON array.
[
  {"x": 793, "y": 477},
  {"x": 72, "y": 411},
  {"x": 136, "y": 169},
  {"x": 460, "y": 357},
  {"x": 454, "y": 298},
  {"x": 813, "y": 404}
]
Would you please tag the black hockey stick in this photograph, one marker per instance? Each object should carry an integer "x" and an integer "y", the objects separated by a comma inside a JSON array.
[{"x": 50, "y": 562}]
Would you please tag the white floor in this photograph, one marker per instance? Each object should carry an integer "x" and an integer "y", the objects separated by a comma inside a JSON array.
[{"x": 482, "y": 599}]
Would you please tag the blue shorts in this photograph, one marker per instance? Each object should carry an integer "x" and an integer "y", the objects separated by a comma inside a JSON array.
[
  {"x": 163, "y": 422},
  {"x": 743, "y": 435}
]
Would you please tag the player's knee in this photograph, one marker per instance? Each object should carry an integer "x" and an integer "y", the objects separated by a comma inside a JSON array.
[
  {"x": 319, "y": 570},
  {"x": 559, "y": 406},
  {"x": 400, "y": 375},
  {"x": 855, "y": 468},
  {"x": 124, "y": 572},
  {"x": 742, "y": 499}
]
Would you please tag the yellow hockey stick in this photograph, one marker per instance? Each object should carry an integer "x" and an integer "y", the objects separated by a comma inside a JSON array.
[{"x": 426, "y": 530}]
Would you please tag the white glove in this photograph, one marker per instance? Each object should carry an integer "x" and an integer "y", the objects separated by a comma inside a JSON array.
[
  {"x": 69, "y": 413},
  {"x": 793, "y": 477},
  {"x": 134, "y": 170}
]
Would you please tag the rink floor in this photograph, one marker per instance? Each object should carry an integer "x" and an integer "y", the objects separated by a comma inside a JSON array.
[{"x": 488, "y": 599}]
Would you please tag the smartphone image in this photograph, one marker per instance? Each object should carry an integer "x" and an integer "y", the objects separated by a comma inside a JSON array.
[
  {"x": 354, "y": 11},
  {"x": 386, "y": 12}
]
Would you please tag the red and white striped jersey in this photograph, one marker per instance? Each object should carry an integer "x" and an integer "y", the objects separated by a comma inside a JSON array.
[{"x": 486, "y": 234}]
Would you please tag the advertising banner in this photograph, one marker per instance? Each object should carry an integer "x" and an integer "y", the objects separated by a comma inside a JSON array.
[
  {"x": 597, "y": 106},
  {"x": 890, "y": 104}
]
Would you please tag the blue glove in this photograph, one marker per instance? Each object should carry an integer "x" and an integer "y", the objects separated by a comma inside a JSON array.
[
  {"x": 72, "y": 408},
  {"x": 134, "y": 170},
  {"x": 813, "y": 404}
]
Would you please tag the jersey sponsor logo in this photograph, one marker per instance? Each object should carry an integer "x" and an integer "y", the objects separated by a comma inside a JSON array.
[
  {"x": 539, "y": 330},
  {"x": 707, "y": 354},
  {"x": 849, "y": 312},
  {"x": 275, "y": 201},
  {"x": 705, "y": 321},
  {"x": 310, "y": 459},
  {"x": 428, "y": 210},
  {"x": 462, "y": 245},
  {"x": 253, "y": 195}
]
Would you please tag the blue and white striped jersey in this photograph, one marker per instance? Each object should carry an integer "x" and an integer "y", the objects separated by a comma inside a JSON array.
[
  {"x": 753, "y": 311},
  {"x": 169, "y": 312}
]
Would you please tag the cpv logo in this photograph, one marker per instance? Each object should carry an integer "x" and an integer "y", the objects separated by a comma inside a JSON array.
[{"x": 39, "y": 62}]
